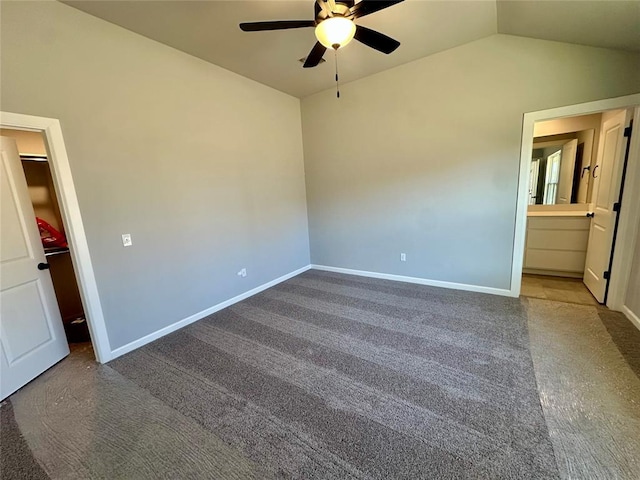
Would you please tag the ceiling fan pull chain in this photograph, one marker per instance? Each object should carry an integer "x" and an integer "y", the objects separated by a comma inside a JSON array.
[{"x": 337, "y": 82}]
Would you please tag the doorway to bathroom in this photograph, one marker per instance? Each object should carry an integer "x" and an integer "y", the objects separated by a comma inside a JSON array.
[{"x": 576, "y": 231}]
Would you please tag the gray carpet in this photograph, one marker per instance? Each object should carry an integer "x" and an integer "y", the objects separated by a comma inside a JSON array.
[
  {"x": 335, "y": 376},
  {"x": 16, "y": 460},
  {"x": 625, "y": 337}
]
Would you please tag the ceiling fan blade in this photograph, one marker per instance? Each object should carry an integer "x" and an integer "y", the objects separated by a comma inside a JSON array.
[
  {"x": 277, "y": 25},
  {"x": 376, "y": 40},
  {"x": 315, "y": 56},
  {"x": 367, "y": 7}
]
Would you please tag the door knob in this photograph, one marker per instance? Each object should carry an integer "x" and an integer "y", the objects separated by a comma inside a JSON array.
[
  {"x": 43, "y": 266},
  {"x": 590, "y": 214}
]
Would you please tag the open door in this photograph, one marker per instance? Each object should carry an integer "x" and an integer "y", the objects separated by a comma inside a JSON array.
[
  {"x": 533, "y": 182},
  {"x": 32, "y": 337},
  {"x": 607, "y": 177},
  {"x": 567, "y": 168}
]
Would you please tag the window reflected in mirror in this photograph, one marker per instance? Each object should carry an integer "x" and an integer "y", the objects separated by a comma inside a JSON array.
[{"x": 560, "y": 168}]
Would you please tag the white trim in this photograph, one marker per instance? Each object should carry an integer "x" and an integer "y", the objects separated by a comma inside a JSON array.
[
  {"x": 200, "y": 315},
  {"x": 70, "y": 210},
  {"x": 419, "y": 281},
  {"x": 529, "y": 120},
  {"x": 631, "y": 316}
]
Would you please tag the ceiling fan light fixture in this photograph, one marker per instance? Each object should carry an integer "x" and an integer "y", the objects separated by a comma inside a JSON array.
[{"x": 335, "y": 32}]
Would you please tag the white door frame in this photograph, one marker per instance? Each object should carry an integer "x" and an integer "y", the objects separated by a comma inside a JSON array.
[
  {"x": 629, "y": 217},
  {"x": 74, "y": 228}
]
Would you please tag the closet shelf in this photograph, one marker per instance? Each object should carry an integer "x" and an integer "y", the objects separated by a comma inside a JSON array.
[{"x": 48, "y": 252}]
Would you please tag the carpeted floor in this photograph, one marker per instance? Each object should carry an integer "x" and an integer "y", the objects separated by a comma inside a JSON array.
[
  {"x": 334, "y": 376},
  {"x": 16, "y": 460},
  {"x": 584, "y": 359},
  {"x": 626, "y": 339}
]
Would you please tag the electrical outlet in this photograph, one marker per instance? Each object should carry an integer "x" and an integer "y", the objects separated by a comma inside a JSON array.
[
  {"x": 403, "y": 257},
  {"x": 242, "y": 273},
  {"x": 126, "y": 240}
]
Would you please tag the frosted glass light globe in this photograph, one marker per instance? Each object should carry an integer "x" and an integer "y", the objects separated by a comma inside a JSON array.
[{"x": 335, "y": 31}]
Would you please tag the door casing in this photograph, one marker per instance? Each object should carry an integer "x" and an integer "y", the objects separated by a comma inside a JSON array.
[{"x": 74, "y": 227}]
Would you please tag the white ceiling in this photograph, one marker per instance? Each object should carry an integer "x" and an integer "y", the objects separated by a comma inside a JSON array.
[{"x": 209, "y": 30}]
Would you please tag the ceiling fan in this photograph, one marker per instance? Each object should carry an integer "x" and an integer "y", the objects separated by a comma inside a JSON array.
[{"x": 335, "y": 27}]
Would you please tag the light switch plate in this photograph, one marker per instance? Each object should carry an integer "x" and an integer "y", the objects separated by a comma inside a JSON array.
[{"x": 126, "y": 240}]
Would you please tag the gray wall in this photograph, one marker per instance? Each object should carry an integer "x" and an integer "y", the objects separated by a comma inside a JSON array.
[
  {"x": 203, "y": 167},
  {"x": 633, "y": 291},
  {"x": 423, "y": 158}
]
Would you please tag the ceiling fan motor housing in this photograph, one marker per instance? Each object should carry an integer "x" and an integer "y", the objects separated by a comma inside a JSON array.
[{"x": 342, "y": 8}]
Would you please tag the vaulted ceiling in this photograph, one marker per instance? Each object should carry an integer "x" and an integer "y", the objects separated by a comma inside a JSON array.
[{"x": 209, "y": 30}]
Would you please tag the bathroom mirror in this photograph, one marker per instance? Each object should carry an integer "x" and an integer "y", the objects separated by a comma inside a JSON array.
[{"x": 560, "y": 168}]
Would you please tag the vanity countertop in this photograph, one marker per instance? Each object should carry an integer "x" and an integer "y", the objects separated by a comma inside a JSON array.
[
  {"x": 572, "y": 210},
  {"x": 559, "y": 214}
]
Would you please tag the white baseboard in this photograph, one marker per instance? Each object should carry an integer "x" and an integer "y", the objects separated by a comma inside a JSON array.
[
  {"x": 420, "y": 281},
  {"x": 197, "y": 316},
  {"x": 631, "y": 316},
  {"x": 386, "y": 276}
]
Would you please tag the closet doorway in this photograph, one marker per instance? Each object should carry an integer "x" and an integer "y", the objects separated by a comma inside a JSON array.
[
  {"x": 33, "y": 337},
  {"x": 48, "y": 217}
]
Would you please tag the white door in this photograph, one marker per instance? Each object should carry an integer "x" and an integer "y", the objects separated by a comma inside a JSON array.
[
  {"x": 567, "y": 169},
  {"x": 551, "y": 178},
  {"x": 32, "y": 337},
  {"x": 606, "y": 177},
  {"x": 533, "y": 181},
  {"x": 587, "y": 139}
]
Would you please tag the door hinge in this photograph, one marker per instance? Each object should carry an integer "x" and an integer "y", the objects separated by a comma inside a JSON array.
[
  {"x": 616, "y": 207},
  {"x": 627, "y": 131},
  {"x": 606, "y": 275}
]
